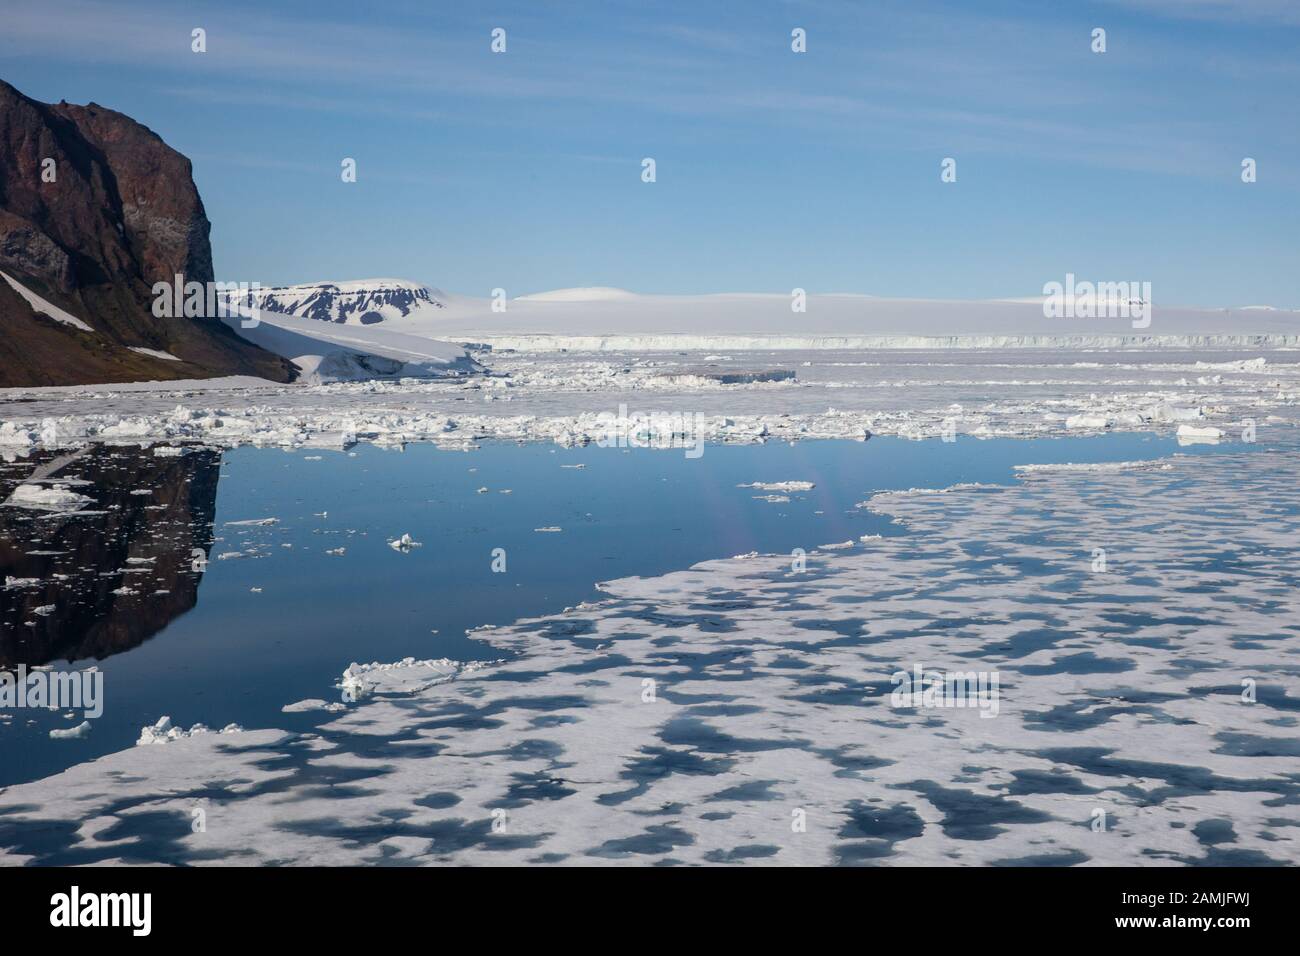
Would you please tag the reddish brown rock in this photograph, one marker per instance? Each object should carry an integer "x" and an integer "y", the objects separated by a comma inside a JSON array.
[{"x": 122, "y": 214}]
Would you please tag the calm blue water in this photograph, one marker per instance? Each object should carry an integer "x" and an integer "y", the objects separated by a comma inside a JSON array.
[{"x": 240, "y": 656}]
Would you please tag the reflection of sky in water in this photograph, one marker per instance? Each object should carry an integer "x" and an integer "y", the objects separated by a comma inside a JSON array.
[{"x": 239, "y": 656}]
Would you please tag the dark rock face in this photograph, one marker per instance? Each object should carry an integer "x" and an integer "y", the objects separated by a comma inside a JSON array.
[
  {"x": 121, "y": 214},
  {"x": 113, "y": 575}
]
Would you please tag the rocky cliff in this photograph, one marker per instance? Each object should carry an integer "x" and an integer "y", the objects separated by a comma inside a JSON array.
[{"x": 94, "y": 209}]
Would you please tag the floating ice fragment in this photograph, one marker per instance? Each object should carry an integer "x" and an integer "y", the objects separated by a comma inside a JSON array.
[
  {"x": 71, "y": 733},
  {"x": 312, "y": 703},
  {"x": 163, "y": 731},
  {"x": 404, "y": 544},
  {"x": 1192, "y": 435},
  {"x": 39, "y": 498},
  {"x": 1087, "y": 421},
  {"x": 408, "y": 675},
  {"x": 1089, "y": 466}
]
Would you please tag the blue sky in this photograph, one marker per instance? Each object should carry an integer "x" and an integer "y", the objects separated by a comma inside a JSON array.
[{"x": 775, "y": 170}]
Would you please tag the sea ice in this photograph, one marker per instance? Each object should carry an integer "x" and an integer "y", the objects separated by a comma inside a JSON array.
[
  {"x": 71, "y": 733},
  {"x": 41, "y": 498},
  {"x": 404, "y": 544}
]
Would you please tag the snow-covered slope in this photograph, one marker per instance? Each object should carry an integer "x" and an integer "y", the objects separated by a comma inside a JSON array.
[
  {"x": 329, "y": 352},
  {"x": 602, "y": 318},
  {"x": 45, "y": 308},
  {"x": 357, "y": 302}
]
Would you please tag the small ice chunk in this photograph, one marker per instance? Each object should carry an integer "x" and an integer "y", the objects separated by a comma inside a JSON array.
[
  {"x": 39, "y": 498},
  {"x": 780, "y": 485},
  {"x": 408, "y": 675},
  {"x": 71, "y": 733},
  {"x": 1087, "y": 421},
  {"x": 163, "y": 731},
  {"x": 404, "y": 544},
  {"x": 1191, "y": 435},
  {"x": 312, "y": 703}
]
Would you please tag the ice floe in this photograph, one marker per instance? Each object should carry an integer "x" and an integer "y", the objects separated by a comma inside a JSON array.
[
  {"x": 41, "y": 498},
  {"x": 405, "y": 544},
  {"x": 780, "y": 485},
  {"x": 568, "y": 399},
  {"x": 738, "y": 713},
  {"x": 78, "y": 732},
  {"x": 1191, "y": 433},
  {"x": 163, "y": 731}
]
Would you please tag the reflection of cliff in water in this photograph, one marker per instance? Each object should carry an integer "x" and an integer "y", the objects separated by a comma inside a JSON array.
[{"x": 113, "y": 575}]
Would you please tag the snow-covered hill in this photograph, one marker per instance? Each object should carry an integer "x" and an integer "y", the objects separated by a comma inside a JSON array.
[
  {"x": 342, "y": 350},
  {"x": 357, "y": 302}
]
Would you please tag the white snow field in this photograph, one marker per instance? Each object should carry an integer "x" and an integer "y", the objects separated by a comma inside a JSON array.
[
  {"x": 742, "y": 712},
  {"x": 328, "y": 352},
  {"x": 599, "y": 319}
]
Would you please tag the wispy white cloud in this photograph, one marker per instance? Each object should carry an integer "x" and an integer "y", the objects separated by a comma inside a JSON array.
[
  {"x": 914, "y": 76},
  {"x": 1285, "y": 12}
]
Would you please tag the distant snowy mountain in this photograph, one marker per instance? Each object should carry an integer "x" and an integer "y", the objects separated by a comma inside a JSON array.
[
  {"x": 317, "y": 327},
  {"x": 359, "y": 302}
]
